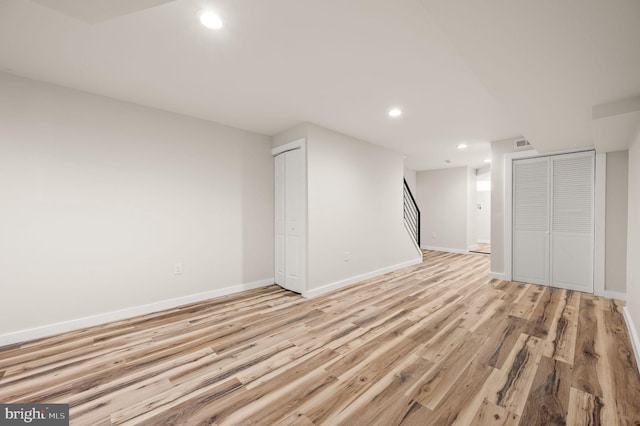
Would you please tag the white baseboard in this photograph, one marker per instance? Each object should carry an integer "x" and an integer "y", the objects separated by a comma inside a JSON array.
[
  {"x": 635, "y": 340},
  {"x": 472, "y": 247},
  {"x": 445, "y": 249},
  {"x": 99, "y": 319},
  {"x": 611, "y": 294},
  {"x": 484, "y": 241},
  {"x": 358, "y": 278},
  {"x": 498, "y": 275}
]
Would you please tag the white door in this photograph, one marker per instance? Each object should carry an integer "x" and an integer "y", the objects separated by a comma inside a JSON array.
[
  {"x": 289, "y": 220},
  {"x": 531, "y": 220},
  {"x": 279, "y": 216},
  {"x": 572, "y": 225},
  {"x": 553, "y": 221}
]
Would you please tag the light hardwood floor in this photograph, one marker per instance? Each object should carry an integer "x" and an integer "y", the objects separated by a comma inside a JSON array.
[{"x": 434, "y": 344}]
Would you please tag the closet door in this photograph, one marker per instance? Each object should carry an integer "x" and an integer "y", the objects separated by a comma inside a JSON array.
[
  {"x": 531, "y": 220},
  {"x": 293, "y": 221},
  {"x": 279, "y": 216},
  {"x": 572, "y": 221},
  {"x": 289, "y": 220}
]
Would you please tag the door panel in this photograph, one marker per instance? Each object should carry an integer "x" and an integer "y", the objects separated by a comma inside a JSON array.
[
  {"x": 293, "y": 208},
  {"x": 573, "y": 222},
  {"x": 289, "y": 220},
  {"x": 532, "y": 261},
  {"x": 531, "y": 220},
  {"x": 572, "y": 261},
  {"x": 279, "y": 216}
]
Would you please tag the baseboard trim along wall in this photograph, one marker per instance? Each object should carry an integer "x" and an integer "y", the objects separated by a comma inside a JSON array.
[
  {"x": 498, "y": 275},
  {"x": 134, "y": 311},
  {"x": 611, "y": 294},
  {"x": 635, "y": 340},
  {"x": 356, "y": 279},
  {"x": 445, "y": 249}
]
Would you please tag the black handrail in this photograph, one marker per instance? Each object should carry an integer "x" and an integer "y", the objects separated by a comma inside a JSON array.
[{"x": 411, "y": 213}]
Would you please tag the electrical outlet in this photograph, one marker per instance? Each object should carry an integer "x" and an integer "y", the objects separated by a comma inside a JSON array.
[
  {"x": 346, "y": 256},
  {"x": 177, "y": 268},
  {"x": 434, "y": 235}
]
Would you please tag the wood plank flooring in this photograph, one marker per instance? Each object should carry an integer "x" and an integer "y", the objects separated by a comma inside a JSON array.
[{"x": 434, "y": 344}]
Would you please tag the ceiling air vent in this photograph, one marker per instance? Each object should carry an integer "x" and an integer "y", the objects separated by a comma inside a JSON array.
[{"x": 521, "y": 143}]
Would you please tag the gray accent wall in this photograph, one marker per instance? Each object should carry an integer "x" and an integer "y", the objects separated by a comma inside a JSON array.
[
  {"x": 633, "y": 241},
  {"x": 616, "y": 221}
]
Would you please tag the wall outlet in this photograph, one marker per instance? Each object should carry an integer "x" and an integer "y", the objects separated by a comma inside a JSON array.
[
  {"x": 177, "y": 268},
  {"x": 434, "y": 235},
  {"x": 346, "y": 256}
]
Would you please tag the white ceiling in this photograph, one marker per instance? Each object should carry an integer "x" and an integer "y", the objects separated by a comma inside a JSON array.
[
  {"x": 93, "y": 11},
  {"x": 549, "y": 63},
  {"x": 462, "y": 71}
]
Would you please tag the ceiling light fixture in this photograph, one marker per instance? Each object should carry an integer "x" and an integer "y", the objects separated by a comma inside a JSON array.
[
  {"x": 211, "y": 20},
  {"x": 462, "y": 146},
  {"x": 395, "y": 112}
]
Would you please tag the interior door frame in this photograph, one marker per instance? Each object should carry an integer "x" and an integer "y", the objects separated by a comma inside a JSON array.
[
  {"x": 300, "y": 144},
  {"x": 599, "y": 212}
]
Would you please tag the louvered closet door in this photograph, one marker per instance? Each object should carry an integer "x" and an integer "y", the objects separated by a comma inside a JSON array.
[
  {"x": 572, "y": 221},
  {"x": 531, "y": 220}
]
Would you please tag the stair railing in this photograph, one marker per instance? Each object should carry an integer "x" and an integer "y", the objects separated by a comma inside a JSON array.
[{"x": 411, "y": 213}]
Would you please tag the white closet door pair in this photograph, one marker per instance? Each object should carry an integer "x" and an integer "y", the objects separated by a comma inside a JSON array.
[{"x": 553, "y": 221}]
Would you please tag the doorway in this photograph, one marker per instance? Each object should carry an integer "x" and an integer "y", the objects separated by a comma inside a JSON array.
[
  {"x": 483, "y": 211},
  {"x": 290, "y": 216}
]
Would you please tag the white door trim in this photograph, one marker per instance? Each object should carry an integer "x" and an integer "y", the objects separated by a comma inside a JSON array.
[
  {"x": 508, "y": 208},
  {"x": 300, "y": 144},
  {"x": 297, "y": 144}
]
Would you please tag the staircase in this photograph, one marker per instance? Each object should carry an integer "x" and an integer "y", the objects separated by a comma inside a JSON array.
[{"x": 411, "y": 214}]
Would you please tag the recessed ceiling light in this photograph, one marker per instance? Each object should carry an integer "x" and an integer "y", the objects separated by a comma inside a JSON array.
[
  {"x": 211, "y": 20},
  {"x": 395, "y": 112},
  {"x": 488, "y": 160},
  {"x": 462, "y": 146}
]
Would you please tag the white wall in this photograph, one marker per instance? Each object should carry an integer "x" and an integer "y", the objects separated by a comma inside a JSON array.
[
  {"x": 486, "y": 170},
  {"x": 410, "y": 177},
  {"x": 295, "y": 133},
  {"x": 616, "y": 221},
  {"x": 442, "y": 196},
  {"x": 355, "y": 206},
  {"x": 100, "y": 198},
  {"x": 633, "y": 242}
]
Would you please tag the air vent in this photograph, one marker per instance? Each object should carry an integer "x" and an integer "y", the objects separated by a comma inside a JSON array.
[{"x": 521, "y": 143}]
